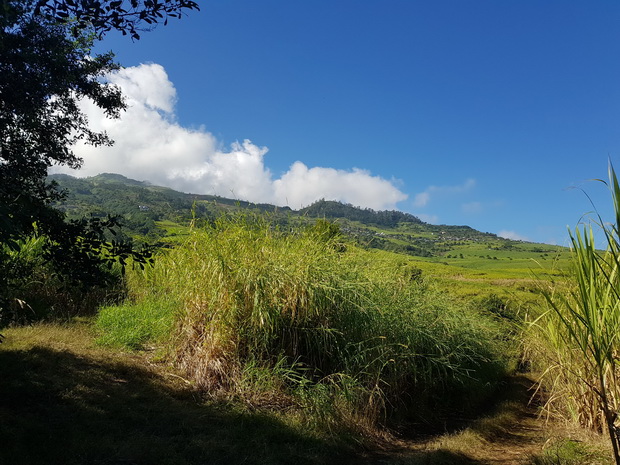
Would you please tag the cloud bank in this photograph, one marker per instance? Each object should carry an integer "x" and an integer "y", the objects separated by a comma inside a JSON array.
[
  {"x": 506, "y": 234},
  {"x": 151, "y": 145}
]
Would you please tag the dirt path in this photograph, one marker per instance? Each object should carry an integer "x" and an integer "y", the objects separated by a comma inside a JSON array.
[
  {"x": 525, "y": 436},
  {"x": 510, "y": 435},
  {"x": 525, "y": 439}
]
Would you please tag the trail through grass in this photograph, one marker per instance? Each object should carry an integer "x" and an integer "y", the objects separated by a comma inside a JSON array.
[{"x": 66, "y": 400}]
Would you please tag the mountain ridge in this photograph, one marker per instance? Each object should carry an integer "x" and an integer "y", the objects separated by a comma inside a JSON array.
[{"x": 146, "y": 208}]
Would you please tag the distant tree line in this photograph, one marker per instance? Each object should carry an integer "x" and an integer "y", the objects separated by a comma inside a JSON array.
[{"x": 331, "y": 209}]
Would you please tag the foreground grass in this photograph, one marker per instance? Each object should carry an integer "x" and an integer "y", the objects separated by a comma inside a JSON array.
[{"x": 66, "y": 400}]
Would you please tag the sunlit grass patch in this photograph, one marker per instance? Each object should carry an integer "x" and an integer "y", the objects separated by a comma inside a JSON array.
[
  {"x": 567, "y": 451},
  {"x": 132, "y": 325}
]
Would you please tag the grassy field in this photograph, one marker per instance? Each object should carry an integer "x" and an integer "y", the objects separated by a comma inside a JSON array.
[{"x": 67, "y": 399}]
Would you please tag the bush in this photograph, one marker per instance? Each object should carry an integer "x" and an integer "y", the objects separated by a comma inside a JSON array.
[
  {"x": 32, "y": 289},
  {"x": 347, "y": 334}
]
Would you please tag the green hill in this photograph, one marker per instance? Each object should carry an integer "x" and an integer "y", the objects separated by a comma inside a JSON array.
[
  {"x": 143, "y": 204},
  {"x": 457, "y": 255}
]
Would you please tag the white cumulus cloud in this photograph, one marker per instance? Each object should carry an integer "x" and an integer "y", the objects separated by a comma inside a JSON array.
[
  {"x": 301, "y": 183},
  {"x": 151, "y": 145},
  {"x": 511, "y": 235}
]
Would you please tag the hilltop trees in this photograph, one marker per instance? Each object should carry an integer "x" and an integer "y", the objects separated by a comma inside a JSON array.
[
  {"x": 46, "y": 68},
  {"x": 332, "y": 209}
]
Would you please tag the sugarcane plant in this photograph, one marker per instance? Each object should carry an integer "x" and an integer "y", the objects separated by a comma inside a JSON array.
[{"x": 582, "y": 325}]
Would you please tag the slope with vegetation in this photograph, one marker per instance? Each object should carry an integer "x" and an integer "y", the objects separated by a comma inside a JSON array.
[
  {"x": 286, "y": 320},
  {"x": 469, "y": 263},
  {"x": 150, "y": 210}
]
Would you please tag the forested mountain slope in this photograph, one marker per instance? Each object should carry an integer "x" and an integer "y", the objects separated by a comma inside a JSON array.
[{"x": 153, "y": 212}]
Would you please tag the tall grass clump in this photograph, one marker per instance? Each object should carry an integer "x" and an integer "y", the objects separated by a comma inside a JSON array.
[
  {"x": 299, "y": 319},
  {"x": 581, "y": 329}
]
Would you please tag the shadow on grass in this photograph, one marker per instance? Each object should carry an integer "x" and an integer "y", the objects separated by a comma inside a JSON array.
[
  {"x": 492, "y": 436},
  {"x": 59, "y": 408},
  {"x": 506, "y": 420},
  {"x": 436, "y": 457}
]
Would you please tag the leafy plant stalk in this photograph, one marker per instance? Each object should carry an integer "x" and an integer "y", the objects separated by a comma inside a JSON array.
[{"x": 583, "y": 324}]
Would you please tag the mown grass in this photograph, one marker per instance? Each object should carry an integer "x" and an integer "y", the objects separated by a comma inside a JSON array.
[
  {"x": 174, "y": 232},
  {"x": 301, "y": 320},
  {"x": 66, "y": 400}
]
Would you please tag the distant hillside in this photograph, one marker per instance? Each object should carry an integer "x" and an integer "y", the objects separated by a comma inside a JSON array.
[
  {"x": 331, "y": 209},
  {"x": 152, "y": 212},
  {"x": 140, "y": 203}
]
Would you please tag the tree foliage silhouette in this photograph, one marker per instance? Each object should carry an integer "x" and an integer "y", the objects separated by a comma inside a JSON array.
[{"x": 47, "y": 66}]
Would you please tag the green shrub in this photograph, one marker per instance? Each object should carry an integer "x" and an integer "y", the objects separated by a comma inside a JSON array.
[
  {"x": 347, "y": 334},
  {"x": 31, "y": 289}
]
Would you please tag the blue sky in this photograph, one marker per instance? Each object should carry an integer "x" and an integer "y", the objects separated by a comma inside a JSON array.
[{"x": 482, "y": 113}]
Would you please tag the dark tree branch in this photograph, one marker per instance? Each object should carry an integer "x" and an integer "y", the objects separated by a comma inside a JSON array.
[{"x": 127, "y": 17}]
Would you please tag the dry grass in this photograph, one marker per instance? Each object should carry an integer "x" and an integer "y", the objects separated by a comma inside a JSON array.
[
  {"x": 352, "y": 338},
  {"x": 67, "y": 400}
]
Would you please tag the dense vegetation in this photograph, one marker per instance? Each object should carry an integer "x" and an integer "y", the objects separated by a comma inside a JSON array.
[
  {"x": 331, "y": 209},
  {"x": 302, "y": 319},
  {"x": 48, "y": 64},
  {"x": 317, "y": 321}
]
